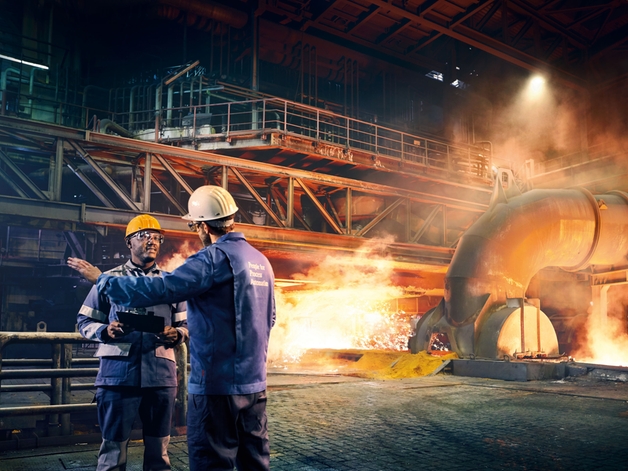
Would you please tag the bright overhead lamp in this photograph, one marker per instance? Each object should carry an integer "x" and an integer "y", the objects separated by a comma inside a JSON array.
[
  {"x": 536, "y": 87},
  {"x": 20, "y": 61}
]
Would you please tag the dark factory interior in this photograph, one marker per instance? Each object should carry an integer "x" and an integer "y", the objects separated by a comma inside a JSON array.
[{"x": 460, "y": 164}]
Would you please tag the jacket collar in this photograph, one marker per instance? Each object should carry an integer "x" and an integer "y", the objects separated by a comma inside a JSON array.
[{"x": 135, "y": 269}]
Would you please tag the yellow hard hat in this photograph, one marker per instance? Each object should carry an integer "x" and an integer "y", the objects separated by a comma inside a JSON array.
[{"x": 140, "y": 223}]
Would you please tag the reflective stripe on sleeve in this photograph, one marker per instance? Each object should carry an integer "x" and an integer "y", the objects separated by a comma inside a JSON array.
[
  {"x": 180, "y": 316},
  {"x": 90, "y": 332},
  {"x": 93, "y": 313}
]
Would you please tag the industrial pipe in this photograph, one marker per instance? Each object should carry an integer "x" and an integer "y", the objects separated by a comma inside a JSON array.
[
  {"x": 3, "y": 85},
  {"x": 486, "y": 283},
  {"x": 107, "y": 124}
]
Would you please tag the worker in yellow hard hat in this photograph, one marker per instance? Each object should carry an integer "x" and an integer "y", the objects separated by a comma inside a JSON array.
[
  {"x": 137, "y": 364},
  {"x": 229, "y": 286}
]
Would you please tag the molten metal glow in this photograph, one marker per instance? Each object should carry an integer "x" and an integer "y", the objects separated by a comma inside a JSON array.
[
  {"x": 169, "y": 263},
  {"x": 606, "y": 343},
  {"x": 342, "y": 303},
  {"x": 350, "y": 309}
]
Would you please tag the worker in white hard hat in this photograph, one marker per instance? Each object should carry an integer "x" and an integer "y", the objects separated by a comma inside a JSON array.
[
  {"x": 137, "y": 371},
  {"x": 231, "y": 308}
]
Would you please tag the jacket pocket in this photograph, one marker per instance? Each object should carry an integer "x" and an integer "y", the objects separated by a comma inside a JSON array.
[
  {"x": 163, "y": 352},
  {"x": 113, "y": 350}
]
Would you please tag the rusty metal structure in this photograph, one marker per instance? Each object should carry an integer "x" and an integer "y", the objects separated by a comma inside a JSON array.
[
  {"x": 485, "y": 312},
  {"x": 120, "y": 174},
  {"x": 61, "y": 369},
  {"x": 332, "y": 122}
]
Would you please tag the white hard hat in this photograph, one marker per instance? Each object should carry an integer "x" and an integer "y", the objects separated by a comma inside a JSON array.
[{"x": 210, "y": 202}]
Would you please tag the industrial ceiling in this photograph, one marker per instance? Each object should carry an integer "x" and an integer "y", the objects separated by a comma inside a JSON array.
[
  {"x": 583, "y": 43},
  {"x": 383, "y": 66}
]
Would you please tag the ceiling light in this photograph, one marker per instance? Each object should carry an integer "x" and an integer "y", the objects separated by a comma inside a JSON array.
[
  {"x": 20, "y": 61},
  {"x": 536, "y": 87}
]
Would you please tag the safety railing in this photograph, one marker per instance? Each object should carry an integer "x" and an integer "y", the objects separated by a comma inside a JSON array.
[
  {"x": 31, "y": 244},
  {"x": 176, "y": 113},
  {"x": 574, "y": 159},
  {"x": 61, "y": 370},
  {"x": 268, "y": 115}
]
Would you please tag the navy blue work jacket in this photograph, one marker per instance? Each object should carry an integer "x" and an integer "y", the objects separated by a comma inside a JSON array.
[
  {"x": 136, "y": 359},
  {"x": 229, "y": 288}
]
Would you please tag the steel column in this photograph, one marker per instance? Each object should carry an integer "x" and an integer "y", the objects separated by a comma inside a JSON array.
[
  {"x": 290, "y": 203},
  {"x": 58, "y": 172},
  {"x": 148, "y": 176}
]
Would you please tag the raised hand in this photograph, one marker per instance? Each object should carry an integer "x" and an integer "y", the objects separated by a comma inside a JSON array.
[{"x": 86, "y": 269}]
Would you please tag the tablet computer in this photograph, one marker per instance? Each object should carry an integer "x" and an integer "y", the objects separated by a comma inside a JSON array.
[{"x": 144, "y": 323}]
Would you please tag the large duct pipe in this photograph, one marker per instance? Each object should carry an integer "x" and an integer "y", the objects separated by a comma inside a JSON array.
[{"x": 501, "y": 252}]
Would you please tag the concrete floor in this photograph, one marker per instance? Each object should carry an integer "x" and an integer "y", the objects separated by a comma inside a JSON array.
[{"x": 334, "y": 423}]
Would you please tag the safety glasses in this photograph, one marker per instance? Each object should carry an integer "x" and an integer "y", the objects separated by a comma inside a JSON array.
[
  {"x": 146, "y": 236},
  {"x": 194, "y": 226}
]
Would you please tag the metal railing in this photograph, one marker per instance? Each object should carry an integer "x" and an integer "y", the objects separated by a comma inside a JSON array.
[
  {"x": 145, "y": 116},
  {"x": 326, "y": 129},
  {"x": 34, "y": 244},
  {"x": 61, "y": 372},
  {"x": 592, "y": 154}
]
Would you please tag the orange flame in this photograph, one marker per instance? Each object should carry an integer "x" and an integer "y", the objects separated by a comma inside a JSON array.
[
  {"x": 176, "y": 259},
  {"x": 605, "y": 343},
  {"x": 342, "y": 303}
]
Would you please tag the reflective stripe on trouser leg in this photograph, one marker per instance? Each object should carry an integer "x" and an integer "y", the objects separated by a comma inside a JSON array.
[
  {"x": 117, "y": 408},
  {"x": 156, "y": 454},
  {"x": 112, "y": 456}
]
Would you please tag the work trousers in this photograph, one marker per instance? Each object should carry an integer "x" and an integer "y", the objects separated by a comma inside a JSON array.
[
  {"x": 226, "y": 431},
  {"x": 117, "y": 408}
]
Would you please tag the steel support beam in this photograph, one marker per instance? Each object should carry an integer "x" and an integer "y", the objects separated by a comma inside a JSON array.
[
  {"x": 148, "y": 178},
  {"x": 426, "y": 224},
  {"x": 105, "y": 177},
  {"x": 167, "y": 194},
  {"x": 290, "y": 204},
  {"x": 22, "y": 176},
  {"x": 174, "y": 174},
  {"x": 279, "y": 233},
  {"x": 284, "y": 240},
  {"x": 14, "y": 186},
  {"x": 57, "y": 172},
  {"x": 487, "y": 44},
  {"x": 258, "y": 198},
  {"x": 207, "y": 158},
  {"x": 89, "y": 184},
  {"x": 379, "y": 217},
  {"x": 319, "y": 206}
]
